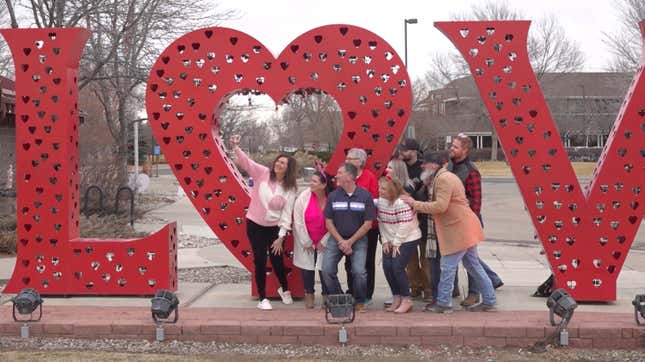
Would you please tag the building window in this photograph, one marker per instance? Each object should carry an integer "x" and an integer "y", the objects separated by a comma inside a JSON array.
[{"x": 487, "y": 141}]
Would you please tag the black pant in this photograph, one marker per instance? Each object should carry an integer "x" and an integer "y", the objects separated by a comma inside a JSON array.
[
  {"x": 370, "y": 263},
  {"x": 261, "y": 238},
  {"x": 308, "y": 277}
]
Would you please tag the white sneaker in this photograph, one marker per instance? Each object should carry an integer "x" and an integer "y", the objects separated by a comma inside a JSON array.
[
  {"x": 265, "y": 304},
  {"x": 286, "y": 296}
]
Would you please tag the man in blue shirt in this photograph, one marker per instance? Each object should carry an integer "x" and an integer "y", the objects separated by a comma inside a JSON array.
[{"x": 349, "y": 213}]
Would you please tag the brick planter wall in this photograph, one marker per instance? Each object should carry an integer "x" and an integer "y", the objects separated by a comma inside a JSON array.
[{"x": 516, "y": 329}]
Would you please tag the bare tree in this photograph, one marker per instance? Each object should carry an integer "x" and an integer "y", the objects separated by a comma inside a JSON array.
[
  {"x": 237, "y": 119},
  {"x": 280, "y": 130},
  {"x": 310, "y": 116},
  {"x": 490, "y": 11},
  {"x": 257, "y": 135},
  {"x": 551, "y": 51},
  {"x": 140, "y": 29},
  {"x": 420, "y": 111},
  {"x": 549, "y": 48},
  {"x": 5, "y": 56},
  {"x": 127, "y": 36},
  {"x": 296, "y": 113},
  {"x": 446, "y": 67},
  {"x": 626, "y": 42},
  {"x": 420, "y": 90},
  {"x": 230, "y": 121}
]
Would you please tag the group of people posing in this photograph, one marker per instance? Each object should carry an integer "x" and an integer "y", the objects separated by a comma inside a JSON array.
[{"x": 425, "y": 212}]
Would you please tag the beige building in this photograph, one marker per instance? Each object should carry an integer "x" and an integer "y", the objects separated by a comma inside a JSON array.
[
  {"x": 7, "y": 128},
  {"x": 584, "y": 107}
]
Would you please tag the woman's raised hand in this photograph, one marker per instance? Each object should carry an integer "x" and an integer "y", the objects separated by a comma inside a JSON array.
[{"x": 235, "y": 140}]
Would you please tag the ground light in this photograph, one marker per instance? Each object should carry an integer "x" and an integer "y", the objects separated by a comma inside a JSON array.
[
  {"x": 560, "y": 303},
  {"x": 339, "y": 309},
  {"x": 164, "y": 304},
  {"x": 639, "y": 307},
  {"x": 25, "y": 303}
]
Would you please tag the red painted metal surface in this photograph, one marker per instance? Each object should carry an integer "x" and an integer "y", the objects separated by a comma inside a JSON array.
[
  {"x": 586, "y": 233},
  {"x": 51, "y": 257},
  {"x": 196, "y": 73}
]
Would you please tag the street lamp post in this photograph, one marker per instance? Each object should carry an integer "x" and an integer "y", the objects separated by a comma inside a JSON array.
[
  {"x": 410, "y": 129},
  {"x": 405, "y": 37},
  {"x": 136, "y": 154},
  {"x": 135, "y": 124}
]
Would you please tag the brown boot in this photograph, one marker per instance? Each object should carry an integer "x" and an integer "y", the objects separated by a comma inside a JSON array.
[
  {"x": 470, "y": 301},
  {"x": 309, "y": 300},
  {"x": 427, "y": 295}
]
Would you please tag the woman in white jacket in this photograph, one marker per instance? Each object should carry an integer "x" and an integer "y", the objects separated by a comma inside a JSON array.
[
  {"x": 310, "y": 233},
  {"x": 400, "y": 235}
]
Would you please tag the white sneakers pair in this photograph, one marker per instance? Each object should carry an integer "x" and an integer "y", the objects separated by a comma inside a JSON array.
[{"x": 264, "y": 304}]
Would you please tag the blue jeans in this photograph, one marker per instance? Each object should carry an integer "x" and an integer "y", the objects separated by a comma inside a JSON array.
[
  {"x": 473, "y": 288},
  {"x": 435, "y": 274},
  {"x": 359, "y": 273},
  {"x": 308, "y": 279},
  {"x": 309, "y": 276},
  {"x": 370, "y": 265},
  {"x": 394, "y": 268},
  {"x": 470, "y": 259}
]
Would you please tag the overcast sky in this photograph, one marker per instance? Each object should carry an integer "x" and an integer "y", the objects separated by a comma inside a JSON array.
[{"x": 276, "y": 23}]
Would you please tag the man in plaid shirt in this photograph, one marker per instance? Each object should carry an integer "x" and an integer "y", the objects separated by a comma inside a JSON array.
[{"x": 461, "y": 166}]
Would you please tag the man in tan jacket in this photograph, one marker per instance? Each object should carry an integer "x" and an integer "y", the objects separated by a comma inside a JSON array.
[{"x": 458, "y": 232}]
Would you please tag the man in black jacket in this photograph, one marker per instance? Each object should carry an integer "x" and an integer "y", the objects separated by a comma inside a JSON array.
[{"x": 418, "y": 267}]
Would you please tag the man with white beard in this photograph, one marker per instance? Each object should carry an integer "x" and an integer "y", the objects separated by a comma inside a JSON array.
[{"x": 458, "y": 232}]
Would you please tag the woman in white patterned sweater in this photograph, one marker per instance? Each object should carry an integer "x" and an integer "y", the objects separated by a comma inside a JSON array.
[{"x": 400, "y": 235}]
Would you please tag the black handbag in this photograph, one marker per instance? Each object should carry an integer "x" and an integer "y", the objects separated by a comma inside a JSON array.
[{"x": 545, "y": 289}]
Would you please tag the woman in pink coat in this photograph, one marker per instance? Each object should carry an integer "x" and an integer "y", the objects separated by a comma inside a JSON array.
[{"x": 268, "y": 218}]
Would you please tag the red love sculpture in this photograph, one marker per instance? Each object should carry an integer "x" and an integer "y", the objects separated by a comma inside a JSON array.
[
  {"x": 196, "y": 73},
  {"x": 586, "y": 233},
  {"x": 51, "y": 256}
]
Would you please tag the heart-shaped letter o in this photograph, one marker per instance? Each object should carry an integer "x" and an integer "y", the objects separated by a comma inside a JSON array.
[{"x": 197, "y": 72}]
